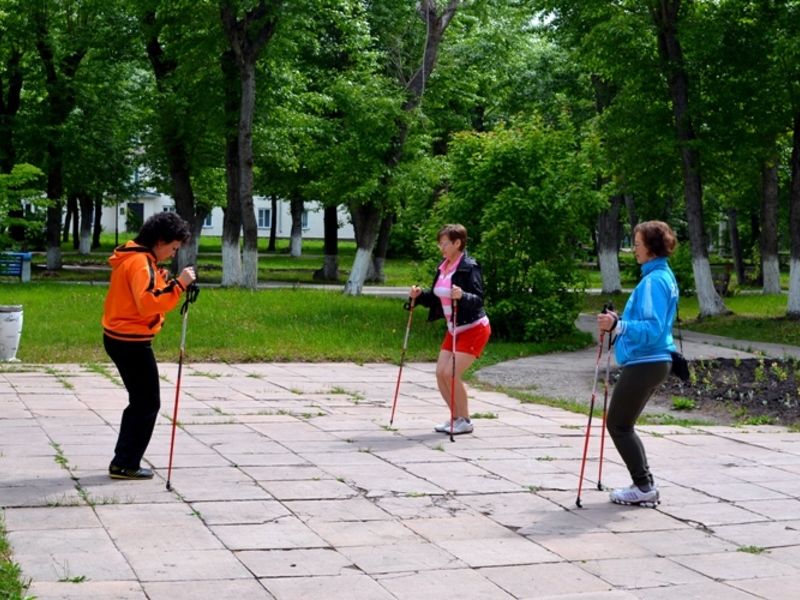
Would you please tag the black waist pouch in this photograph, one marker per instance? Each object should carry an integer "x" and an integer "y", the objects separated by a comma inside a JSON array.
[{"x": 680, "y": 366}]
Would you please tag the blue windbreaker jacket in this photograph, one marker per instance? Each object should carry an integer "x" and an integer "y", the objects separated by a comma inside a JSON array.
[{"x": 645, "y": 328}]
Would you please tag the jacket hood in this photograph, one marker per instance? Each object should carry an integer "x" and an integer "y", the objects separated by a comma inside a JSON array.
[{"x": 126, "y": 251}]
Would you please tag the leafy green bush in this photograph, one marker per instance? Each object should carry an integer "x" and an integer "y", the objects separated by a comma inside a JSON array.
[
  {"x": 524, "y": 193},
  {"x": 22, "y": 184}
]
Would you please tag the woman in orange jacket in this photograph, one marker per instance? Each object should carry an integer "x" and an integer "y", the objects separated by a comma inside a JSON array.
[{"x": 139, "y": 295}]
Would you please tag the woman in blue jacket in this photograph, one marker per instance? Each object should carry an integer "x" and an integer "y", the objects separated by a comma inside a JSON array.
[{"x": 643, "y": 349}]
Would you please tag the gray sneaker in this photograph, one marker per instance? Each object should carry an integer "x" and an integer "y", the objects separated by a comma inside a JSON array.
[
  {"x": 633, "y": 496},
  {"x": 460, "y": 425}
]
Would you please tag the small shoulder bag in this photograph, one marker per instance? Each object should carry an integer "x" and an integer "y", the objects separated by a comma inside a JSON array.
[{"x": 680, "y": 366}]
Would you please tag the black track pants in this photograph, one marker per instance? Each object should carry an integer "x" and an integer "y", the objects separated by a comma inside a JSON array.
[
  {"x": 632, "y": 391},
  {"x": 137, "y": 367}
]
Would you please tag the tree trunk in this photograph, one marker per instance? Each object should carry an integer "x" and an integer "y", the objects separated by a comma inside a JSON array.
[
  {"x": 232, "y": 215},
  {"x": 376, "y": 274},
  {"x": 768, "y": 242},
  {"x": 665, "y": 18},
  {"x": 232, "y": 219},
  {"x": 11, "y": 81},
  {"x": 330, "y": 265},
  {"x": 296, "y": 237},
  {"x": 247, "y": 38},
  {"x": 608, "y": 246},
  {"x": 793, "y": 304},
  {"x": 273, "y": 222},
  {"x": 76, "y": 226},
  {"x": 736, "y": 245},
  {"x": 249, "y": 222},
  {"x": 174, "y": 142},
  {"x": 9, "y": 106},
  {"x": 53, "y": 229},
  {"x": 366, "y": 222},
  {"x": 85, "y": 233},
  {"x": 70, "y": 213},
  {"x": 630, "y": 207},
  {"x": 98, "y": 219}
]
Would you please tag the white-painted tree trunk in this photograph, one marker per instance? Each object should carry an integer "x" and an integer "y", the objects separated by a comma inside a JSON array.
[
  {"x": 85, "y": 244},
  {"x": 231, "y": 264},
  {"x": 609, "y": 271},
  {"x": 708, "y": 298},
  {"x": 772, "y": 275},
  {"x": 793, "y": 306},
  {"x": 358, "y": 274},
  {"x": 250, "y": 271},
  {"x": 296, "y": 245}
]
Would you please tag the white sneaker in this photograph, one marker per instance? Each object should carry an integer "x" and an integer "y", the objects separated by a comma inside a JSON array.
[
  {"x": 633, "y": 496},
  {"x": 460, "y": 425}
]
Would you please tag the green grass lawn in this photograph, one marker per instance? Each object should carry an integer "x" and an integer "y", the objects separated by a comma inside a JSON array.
[{"x": 62, "y": 324}]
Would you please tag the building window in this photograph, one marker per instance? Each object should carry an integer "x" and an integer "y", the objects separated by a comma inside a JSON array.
[
  {"x": 168, "y": 208},
  {"x": 264, "y": 218},
  {"x": 208, "y": 222},
  {"x": 304, "y": 219}
]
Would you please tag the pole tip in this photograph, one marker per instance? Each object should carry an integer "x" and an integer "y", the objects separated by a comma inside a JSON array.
[
  {"x": 578, "y": 503},
  {"x": 169, "y": 487}
]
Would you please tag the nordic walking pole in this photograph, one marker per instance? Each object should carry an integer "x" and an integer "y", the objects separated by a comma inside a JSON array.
[
  {"x": 191, "y": 295},
  {"x": 402, "y": 358},
  {"x": 453, "y": 376},
  {"x": 606, "y": 308},
  {"x": 589, "y": 425},
  {"x": 605, "y": 412}
]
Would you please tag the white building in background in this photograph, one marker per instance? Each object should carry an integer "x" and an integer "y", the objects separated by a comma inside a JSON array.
[{"x": 146, "y": 204}]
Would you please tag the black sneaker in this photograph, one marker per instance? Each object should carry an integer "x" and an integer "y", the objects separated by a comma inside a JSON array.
[{"x": 116, "y": 472}]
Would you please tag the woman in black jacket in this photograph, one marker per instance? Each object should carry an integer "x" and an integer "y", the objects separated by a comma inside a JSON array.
[{"x": 458, "y": 278}]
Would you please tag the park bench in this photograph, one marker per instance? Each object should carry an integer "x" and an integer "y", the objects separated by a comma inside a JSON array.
[{"x": 16, "y": 264}]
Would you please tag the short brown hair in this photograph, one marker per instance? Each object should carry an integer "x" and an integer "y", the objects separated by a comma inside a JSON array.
[
  {"x": 454, "y": 232},
  {"x": 658, "y": 237}
]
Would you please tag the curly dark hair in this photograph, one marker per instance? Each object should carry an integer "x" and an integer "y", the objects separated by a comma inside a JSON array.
[
  {"x": 658, "y": 237},
  {"x": 163, "y": 227}
]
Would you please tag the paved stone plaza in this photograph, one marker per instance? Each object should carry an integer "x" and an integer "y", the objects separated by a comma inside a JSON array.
[{"x": 288, "y": 484}]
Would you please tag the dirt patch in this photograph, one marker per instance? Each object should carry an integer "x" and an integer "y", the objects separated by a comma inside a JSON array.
[{"x": 751, "y": 391}]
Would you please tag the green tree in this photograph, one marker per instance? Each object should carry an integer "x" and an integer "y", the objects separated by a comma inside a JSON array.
[
  {"x": 391, "y": 21},
  {"x": 23, "y": 183},
  {"x": 181, "y": 132},
  {"x": 62, "y": 37},
  {"x": 524, "y": 192}
]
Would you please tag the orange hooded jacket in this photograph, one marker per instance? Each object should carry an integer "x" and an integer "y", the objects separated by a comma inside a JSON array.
[{"x": 138, "y": 295}]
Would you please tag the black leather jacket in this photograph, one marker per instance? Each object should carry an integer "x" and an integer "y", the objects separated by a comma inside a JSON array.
[{"x": 470, "y": 308}]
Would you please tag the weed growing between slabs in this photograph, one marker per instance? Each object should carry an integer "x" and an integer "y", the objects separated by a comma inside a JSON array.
[{"x": 12, "y": 584}]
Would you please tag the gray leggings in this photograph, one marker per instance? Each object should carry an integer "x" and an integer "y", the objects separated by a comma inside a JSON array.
[{"x": 631, "y": 392}]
